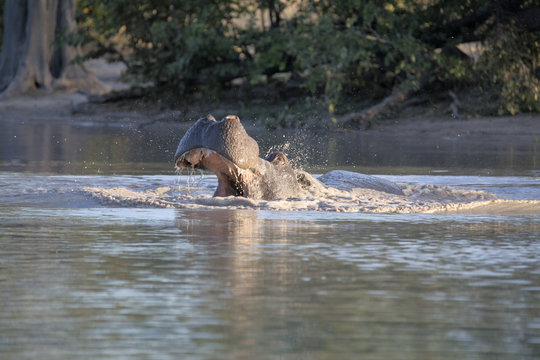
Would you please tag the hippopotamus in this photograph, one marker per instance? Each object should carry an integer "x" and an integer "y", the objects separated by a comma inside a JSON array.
[{"x": 225, "y": 148}]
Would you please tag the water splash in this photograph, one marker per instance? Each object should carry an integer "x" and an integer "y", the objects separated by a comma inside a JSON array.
[
  {"x": 416, "y": 199},
  {"x": 299, "y": 147}
]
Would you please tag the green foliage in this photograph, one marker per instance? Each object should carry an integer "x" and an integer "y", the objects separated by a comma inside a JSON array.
[
  {"x": 508, "y": 70},
  {"x": 176, "y": 44},
  {"x": 332, "y": 48}
]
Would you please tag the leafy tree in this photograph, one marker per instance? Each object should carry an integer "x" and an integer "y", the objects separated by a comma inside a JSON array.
[
  {"x": 510, "y": 70},
  {"x": 178, "y": 44},
  {"x": 385, "y": 50}
]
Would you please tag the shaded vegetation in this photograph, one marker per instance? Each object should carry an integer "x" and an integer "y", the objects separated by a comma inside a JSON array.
[
  {"x": 359, "y": 50},
  {"x": 1, "y": 21}
]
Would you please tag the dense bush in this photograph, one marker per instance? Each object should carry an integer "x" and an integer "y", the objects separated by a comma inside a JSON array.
[
  {"x": 510, "y": 70},
  {"x": 331, "y": 48},
  {"x": 179, "y": 44}
]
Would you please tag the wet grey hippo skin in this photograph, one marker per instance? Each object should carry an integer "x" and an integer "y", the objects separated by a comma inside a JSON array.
[{"x": 225, "y": 148}]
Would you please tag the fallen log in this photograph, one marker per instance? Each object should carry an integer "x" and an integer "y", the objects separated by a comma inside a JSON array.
[
  {"x": 399, "y": 94},
  {"x": 365, "y": 116}
]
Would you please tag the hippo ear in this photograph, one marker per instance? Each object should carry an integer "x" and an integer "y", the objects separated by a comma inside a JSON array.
[
  {"x": 211, "y": 118},
  {"x": 278, "y": 158}
]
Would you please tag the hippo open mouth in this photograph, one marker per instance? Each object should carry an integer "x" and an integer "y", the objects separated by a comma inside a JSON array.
[
  {"x": 225, "y": 148},
  {"x": 232, "y": 180}
]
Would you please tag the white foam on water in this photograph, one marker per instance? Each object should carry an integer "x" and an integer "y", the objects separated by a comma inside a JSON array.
[
  {"x": 416, "y": 199},
  {"x": 425, "y": 194}
]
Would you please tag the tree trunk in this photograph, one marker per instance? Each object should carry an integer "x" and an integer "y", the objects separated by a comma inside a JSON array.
[{"x": 29, "y": 59}]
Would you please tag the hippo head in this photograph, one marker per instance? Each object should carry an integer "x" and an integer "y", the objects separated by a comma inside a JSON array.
[
  {"x": 225, "y": 148},
  {"x": 222, "y": 147}
]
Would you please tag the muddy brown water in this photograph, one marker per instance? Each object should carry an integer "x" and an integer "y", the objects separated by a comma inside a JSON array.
[{"x": 81, "y": 279}]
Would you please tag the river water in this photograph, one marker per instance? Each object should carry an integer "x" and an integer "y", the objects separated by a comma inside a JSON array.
[{"x": 85, "y": 278}]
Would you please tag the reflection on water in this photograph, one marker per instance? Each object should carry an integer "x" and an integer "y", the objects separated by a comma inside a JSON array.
[
  {"x": 82, "y": 148},
  {"x": 234, "y": 284},
  {"x": 122, "y": 148}
]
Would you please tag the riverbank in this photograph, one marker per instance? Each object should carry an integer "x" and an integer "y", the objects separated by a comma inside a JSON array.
[{"x": 75, "y": 107}]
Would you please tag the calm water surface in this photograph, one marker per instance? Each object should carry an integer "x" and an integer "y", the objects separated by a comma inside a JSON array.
[
  {"x": 79, "y": 280},
  {"x": 122, "y": 148}
]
